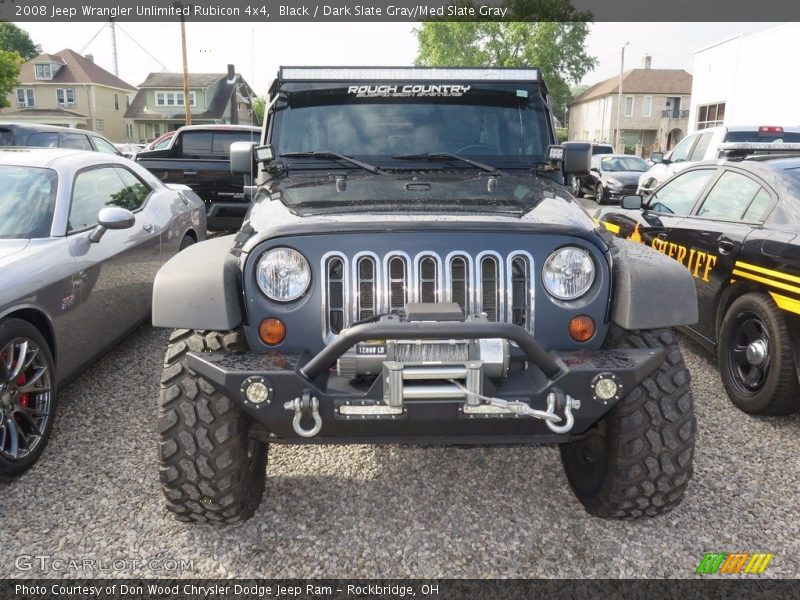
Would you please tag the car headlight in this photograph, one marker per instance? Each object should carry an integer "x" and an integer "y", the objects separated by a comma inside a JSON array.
[
  {"x": 568, "y": 273},
  {"x": 614, "y": 182},
  {"x": 283, "y": 274}
]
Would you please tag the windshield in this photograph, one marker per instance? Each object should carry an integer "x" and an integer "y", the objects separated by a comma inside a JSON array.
[
  {"x": 624, "y": 163},
  {"x": 27, "y": 201},
  {"x": 506, "y": 127}
]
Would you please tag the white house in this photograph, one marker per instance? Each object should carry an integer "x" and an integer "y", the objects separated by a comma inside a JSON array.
[{"x": 748, "y": 80}]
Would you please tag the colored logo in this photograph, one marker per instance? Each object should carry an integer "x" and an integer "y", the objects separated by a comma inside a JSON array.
[{"x": 733, "y": 563}]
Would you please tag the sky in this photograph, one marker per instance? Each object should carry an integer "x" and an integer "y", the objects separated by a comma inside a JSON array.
[{"x": 258, "y": 50}]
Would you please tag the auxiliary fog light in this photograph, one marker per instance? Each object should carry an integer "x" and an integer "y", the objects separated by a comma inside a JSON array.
[
  {"x": 605, "y": 387},
  {"x": 256, "y": 390}
]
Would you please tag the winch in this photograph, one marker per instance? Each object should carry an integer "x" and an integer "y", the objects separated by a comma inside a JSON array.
[{"x": 368, "y": 358}]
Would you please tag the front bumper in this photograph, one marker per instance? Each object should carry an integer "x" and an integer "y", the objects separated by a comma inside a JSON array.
[{"x": 358, "y": 411}]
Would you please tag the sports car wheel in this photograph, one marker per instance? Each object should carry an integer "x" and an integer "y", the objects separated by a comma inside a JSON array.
[
  {"x": 27, "y": 396},
  {"x": 637, "y": 460},
  {"x": 598, "y": 193},
  {"x": 756, "y": 357},
  {"x": 577, "y": 188},
  {"x": 211, "y": 470}
]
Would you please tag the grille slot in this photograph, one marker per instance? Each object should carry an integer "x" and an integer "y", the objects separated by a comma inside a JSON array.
[
  {"x": 427, "y": 277},
  {"x": 396, "y": 275},
  {"x": 367, "y": 301},
  {"x": 520, "y": 289},
  {"x": 366, "y": 285},
  {"x": 490, "y": 281}
]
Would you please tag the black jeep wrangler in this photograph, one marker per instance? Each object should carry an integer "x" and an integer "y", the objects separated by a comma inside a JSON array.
[{"x": 412, "y": 270}]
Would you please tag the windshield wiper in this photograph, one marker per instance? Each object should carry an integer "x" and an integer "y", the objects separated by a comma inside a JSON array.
[
  {"x": 447, "y": 155},
  {"x": 326, "y": 154}
]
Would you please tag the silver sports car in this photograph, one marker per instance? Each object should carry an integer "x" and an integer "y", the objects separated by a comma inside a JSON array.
[{"x": 82, "y": 235}]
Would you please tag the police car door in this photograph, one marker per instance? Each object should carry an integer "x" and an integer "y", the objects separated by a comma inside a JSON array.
[
  {"x": 667, "y": 207},
  {"x": 714, "y": 233}
]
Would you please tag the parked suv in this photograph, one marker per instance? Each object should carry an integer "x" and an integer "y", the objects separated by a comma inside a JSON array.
[
  {"x": 705, "y": 145},
  {"x": 412, "y": 270},
  {"x": 51, "y": 136}
]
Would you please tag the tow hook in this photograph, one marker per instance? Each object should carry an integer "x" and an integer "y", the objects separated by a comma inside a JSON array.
[
  {"x": 305, "y": 407},
  {"x": 558, "y": 400}
]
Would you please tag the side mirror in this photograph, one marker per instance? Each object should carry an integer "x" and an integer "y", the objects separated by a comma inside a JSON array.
[
  {"x": 657, "y": 157},
  {"x": 111, "y": 217},
  {"x": 243, "y": 158},
  {"x": 577, "y": 158},
  {"x": 633, "y": 202}
]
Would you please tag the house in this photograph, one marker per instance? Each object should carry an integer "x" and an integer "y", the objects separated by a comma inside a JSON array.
[
  {"x": 70, "y": 90},
  {"x": 746, "y": 80},
  {"x": 655, "y": 109},
  {"x": 213, "y": 98}
]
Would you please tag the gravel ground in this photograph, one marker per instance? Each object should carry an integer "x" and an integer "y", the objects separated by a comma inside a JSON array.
[{"x": 363, "y": 511}]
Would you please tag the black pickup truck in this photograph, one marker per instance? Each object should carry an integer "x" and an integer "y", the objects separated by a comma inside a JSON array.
[{"x": 199, "y": 157}]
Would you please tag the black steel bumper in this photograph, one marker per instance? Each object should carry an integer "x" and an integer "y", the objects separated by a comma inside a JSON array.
[{"x": 294, "y": 375}]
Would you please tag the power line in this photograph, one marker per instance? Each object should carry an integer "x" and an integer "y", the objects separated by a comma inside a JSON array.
[
  {"x": 141, "y": 47},
  {"x": 89, "y": 43}
]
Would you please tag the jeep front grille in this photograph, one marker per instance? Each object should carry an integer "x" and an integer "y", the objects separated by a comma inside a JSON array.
[{"x": 365, "y": 285}]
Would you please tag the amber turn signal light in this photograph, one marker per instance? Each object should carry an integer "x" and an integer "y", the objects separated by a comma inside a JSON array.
[
  {"x": 272, "y": 331},
  {"x": 581, "y": 328}
]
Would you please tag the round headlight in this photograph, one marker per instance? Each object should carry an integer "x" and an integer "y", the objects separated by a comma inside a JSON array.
[
  {"x": 568, "y": 273},
  {"x": 283, "y": 274}
]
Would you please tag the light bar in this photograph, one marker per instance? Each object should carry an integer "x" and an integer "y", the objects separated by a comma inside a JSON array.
[
  {"x": 759, "y": 147},
  {"x": 405, "y": 74}
]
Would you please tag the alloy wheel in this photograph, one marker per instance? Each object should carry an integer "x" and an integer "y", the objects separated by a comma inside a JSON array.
[{"x": 25, "y": 398}]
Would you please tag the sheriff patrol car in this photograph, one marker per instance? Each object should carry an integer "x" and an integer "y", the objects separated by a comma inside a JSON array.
[{"x": 734, "y": 224}]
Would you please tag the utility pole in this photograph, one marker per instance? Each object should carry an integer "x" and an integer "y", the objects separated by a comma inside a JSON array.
[
  {"x": 186, "y": 104},
  {"x": 114, "y": 46},
  {"x": 620, "y": 142}
]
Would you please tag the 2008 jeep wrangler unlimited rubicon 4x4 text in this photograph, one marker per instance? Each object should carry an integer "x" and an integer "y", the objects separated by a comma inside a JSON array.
[{"x": 412, "y": 270}]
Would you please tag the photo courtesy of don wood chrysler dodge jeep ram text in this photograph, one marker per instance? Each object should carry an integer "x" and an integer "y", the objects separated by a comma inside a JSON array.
[{"x": 413, "y": 270}]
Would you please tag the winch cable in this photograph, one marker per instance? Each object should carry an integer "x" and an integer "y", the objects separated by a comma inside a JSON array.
[{"x": 517, "y": 407}]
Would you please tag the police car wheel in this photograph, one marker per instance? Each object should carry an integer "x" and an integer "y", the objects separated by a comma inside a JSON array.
[
  {"x": 756, "y": 357},
  {"x": 637, "y": 460},
  {"x": 210, "y": 469}
]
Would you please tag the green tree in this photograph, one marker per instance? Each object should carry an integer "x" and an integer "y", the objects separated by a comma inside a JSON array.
[
  {"x": 14, "y": 39},
  {"x": 259, "y": 105},
  {"x": 9, "y": 74},
  {"x": 557, "y": 48}
]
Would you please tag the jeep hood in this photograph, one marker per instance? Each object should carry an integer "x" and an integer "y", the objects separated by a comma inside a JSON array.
[
  {"x": 413, "y": 192},
  {"x": 412, "y": 201}
]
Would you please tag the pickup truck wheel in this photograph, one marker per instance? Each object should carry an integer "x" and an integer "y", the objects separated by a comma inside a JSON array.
[
  {"x": 637, "y": 460},
  {"x": 756, "y": 357},
  {"x": 210, "y": 469}
]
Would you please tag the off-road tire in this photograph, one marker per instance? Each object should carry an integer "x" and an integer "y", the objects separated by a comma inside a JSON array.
[
  {"x": 637, "y": 460},
  {"x": 779, "y": 394},
  {"x": 210, "y": 469}
]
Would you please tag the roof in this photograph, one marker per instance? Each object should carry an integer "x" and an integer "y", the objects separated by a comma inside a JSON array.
[
  {"x": 39, "y": 157},
  {"x": 224, "y": 91},
  {"x": 40, "y": 113},
  {"x": 76, "y": 69},
  {"x": 641, "y": 81},
  {"x": 175, "y": 80}
]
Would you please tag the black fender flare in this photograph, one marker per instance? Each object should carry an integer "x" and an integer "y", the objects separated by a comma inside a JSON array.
[
  {"x": 651, "y": 290},
  {"x": 199, "y": 288}
]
